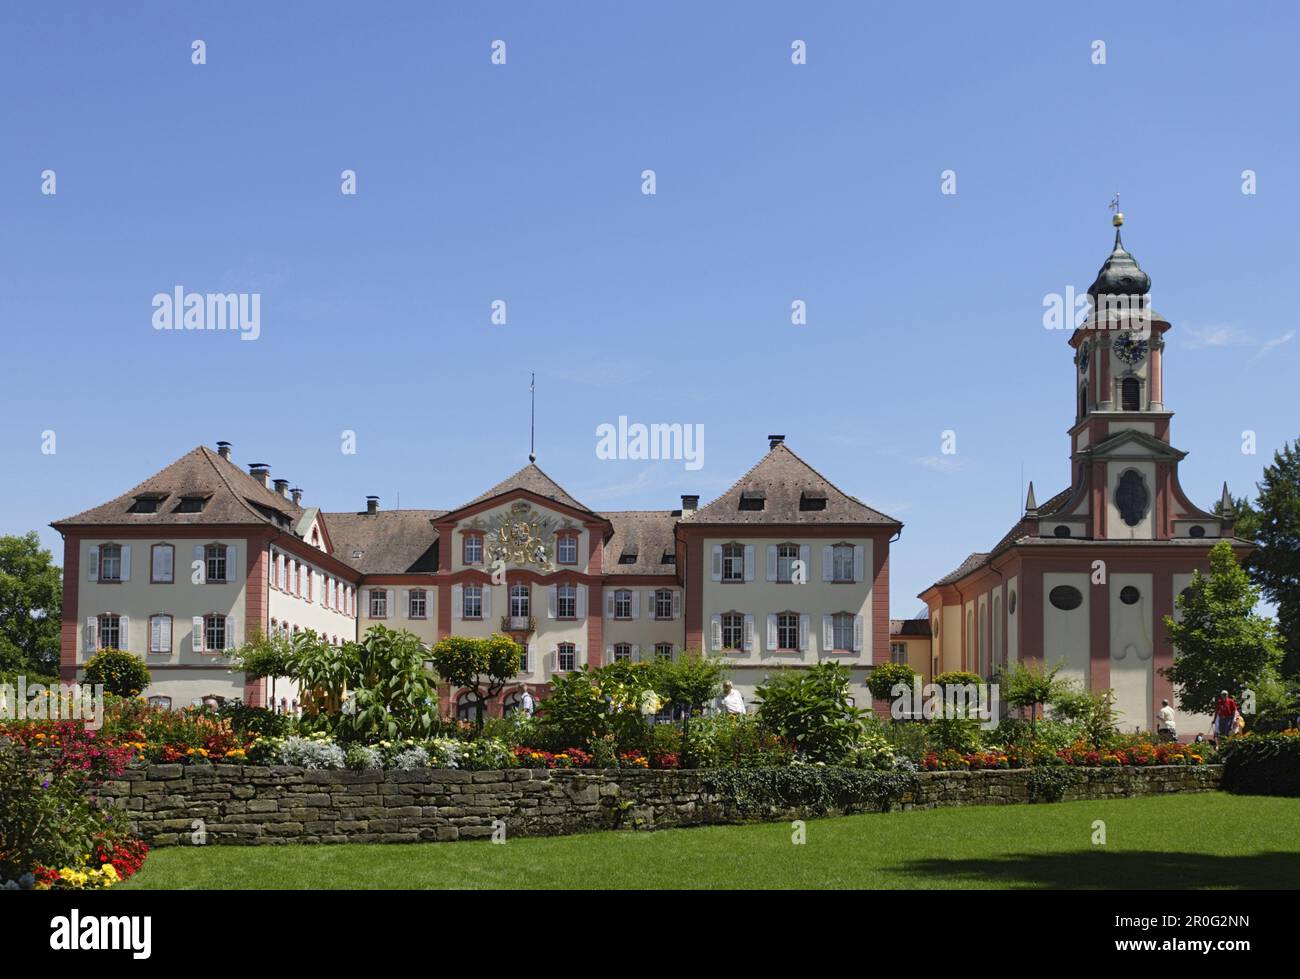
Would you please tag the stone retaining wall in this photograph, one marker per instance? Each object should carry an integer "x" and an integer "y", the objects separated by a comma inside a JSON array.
[{"x": 247, "y": 804}]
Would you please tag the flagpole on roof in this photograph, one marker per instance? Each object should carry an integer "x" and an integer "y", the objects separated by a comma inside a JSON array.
[{"x": 532, "y": 418}]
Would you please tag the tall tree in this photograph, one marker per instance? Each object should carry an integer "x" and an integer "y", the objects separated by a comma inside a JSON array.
[
  {"x": 1275, "y": 566},
  {"x": 31, "y": 602},
  {"x": 1222, "y": 644}
]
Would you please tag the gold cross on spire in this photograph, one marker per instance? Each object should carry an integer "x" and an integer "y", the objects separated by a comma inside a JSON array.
[{"x": 1118, "y": 219}]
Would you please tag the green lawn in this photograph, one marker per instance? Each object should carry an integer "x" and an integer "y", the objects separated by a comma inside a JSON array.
[{"x": 1176, "y": 841}]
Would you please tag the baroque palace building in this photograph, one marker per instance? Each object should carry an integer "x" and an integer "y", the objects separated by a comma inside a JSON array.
[
  {"x": 782, "y": 569},
  {"x": 1086, "y": 578}
]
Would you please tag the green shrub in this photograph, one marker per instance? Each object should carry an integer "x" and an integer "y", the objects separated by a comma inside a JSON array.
[
  {"x": 909, "y": 739},
  {"x": 120, "y": 672},
  {"x": 814, "y": 789},
  {"x": 885, "y": 676},
  {"x": 1262, "y": 764},
  {"x": 810, "y": 708},
  {"x": 959, "y": 734},
  {"x": 732, "y": 741}
]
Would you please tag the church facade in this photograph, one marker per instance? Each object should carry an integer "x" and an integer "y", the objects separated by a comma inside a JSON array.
[{"x": 1085, "y": 578}]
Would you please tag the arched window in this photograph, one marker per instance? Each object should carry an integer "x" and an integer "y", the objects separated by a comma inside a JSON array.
[{"x": 1130, "y": 395}]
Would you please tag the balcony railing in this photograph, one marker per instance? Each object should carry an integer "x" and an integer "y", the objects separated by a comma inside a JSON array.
[{"x": 518, "y": 623}]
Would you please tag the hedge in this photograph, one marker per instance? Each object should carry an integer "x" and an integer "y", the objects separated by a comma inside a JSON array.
[{"x": 1262, "y": 764}]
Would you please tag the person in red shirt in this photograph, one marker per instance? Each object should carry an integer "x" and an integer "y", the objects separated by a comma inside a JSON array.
[{"x": 1225, "y": 714}]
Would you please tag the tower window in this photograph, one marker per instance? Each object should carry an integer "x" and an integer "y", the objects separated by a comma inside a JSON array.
[
  {"x": 1130, "y": 394},
  {"x": 1083, "y": 402}
]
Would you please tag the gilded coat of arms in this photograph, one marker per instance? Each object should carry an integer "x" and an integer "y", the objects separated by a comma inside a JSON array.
[{"x": 521, "y": 535}]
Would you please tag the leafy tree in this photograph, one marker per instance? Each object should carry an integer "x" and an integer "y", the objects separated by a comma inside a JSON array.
[
  {"x": 120, "y": 672},
  {"x": 31, "y": 603},
  {"x": 1221, "y": 643},
  {"x": 688, "y": 682},
  {"x": 1029, "y": 685},
  {"x": 1275, "y": 565},
  {"x": 481, "y": 666},
  {"x": 264, "y": 656},
  {"x": 811, "y": 709},
  {"x": 885, "y": 676},
  {"x": 393, "y": 694}
]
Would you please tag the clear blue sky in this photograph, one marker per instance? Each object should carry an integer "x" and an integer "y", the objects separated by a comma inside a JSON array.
[{"x": 775, "y": 182}]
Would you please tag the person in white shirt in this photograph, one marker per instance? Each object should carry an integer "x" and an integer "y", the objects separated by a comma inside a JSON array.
[
  {"x": 731, "y": 702},
  {"x": 1167, "y": 727},
  {"x": 526, "y": 703}
]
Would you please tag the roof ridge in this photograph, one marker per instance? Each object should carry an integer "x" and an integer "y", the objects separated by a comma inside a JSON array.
[{"x": 207, "y": 454}]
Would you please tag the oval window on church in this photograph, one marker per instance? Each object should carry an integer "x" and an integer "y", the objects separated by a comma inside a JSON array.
[
  {"x": 1062, "y": 530},
  {"x": 1129, "y": 595},
  {"x": 1196, "y": 531},
  {"x": 1132, "y": 497},
  {"x": 1011, "y": 603},
  {"x": 1065, "y": 597}
]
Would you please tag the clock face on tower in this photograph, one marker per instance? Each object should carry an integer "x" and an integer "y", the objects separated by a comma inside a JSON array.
[
  {"x": 1129, "y": 348},
  {"x": 1085, "y": 350}
]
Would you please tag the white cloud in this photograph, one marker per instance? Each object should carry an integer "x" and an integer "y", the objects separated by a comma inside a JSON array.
[
  {"x": 1276, "y": 342},
  {"x": 1217, "y": 336}
]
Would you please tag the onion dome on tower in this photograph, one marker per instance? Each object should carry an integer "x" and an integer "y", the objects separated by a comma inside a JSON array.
[{"x": 1120, "y": 274}]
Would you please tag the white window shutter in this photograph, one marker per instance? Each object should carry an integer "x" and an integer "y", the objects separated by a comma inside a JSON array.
[
  {"x": 126, "y": 562},
  {"x": 636, "y": 653},
  {"x": 365, "y": 600},
  {"x": 803, "y": 631},
  {"x": 156, "y": 563},
  {"x": 636, "y": 603},
  {"x": 828, "y": 562},
  {"x": 749, "y": 633},
  {"x": 553, "y": 660},
  {"x": 828, "y": 633},
  {"x": 771, "y": 632},
  {"x": 166, "y": 633},
  {"x": 580, "y": 602},
  {"x": 715, "y": 626},
  {"x": 124, "y": 632},
  {"x": 457, "y": 601},
  {"x": 196, "y": 637},
  {"x": 551, "y": 603},
  {"x": 609, "y": 604},
  {"x": 858, "y": 630},
  {"x": 579, "y": 656},
  {"x": 532, "y": 662},
  {"x": 270, "y": 568},
  {"x": 92, "y": 565},
  {"x": 676, "y": 649},
  {"x": 805, "y": 555},
  {"x": 230, "y": 632},
  {"x": 749, "y": 562},
  {"x": 232, "y": 562},
  {"x": 406, "y": 602},
  {"x": 155, "y": 633},
  {"x": 203, "y": 564},
  {"x": 858, "y": 555},
  {"x": 92, "y": 633},
  {"x": 487, "y": 600},
  {"x": 609, "y": 654},
  {"x": 771, "y": 562},
  {"x": 677, "y": 604},
  {"x": 717, "y": 562}
]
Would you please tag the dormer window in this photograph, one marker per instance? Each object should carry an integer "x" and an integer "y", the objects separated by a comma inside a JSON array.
[
  {"x": 148, "y": 502},
  {"x": 627, "y": 557},
  {"x": 669, "y": 558},
  {"x": 812, "y": 500},
  {"x": 191, "y": 504},
  {"x": 752, "y": 500}
]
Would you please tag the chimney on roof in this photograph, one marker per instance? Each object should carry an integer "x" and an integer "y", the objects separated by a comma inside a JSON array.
[
  {"x": 372, "y": 504},
  {"x": 282, "y": 487},
  {"x": 261, "y": 472},
  {"x": 690, "y": 503},
  {"x": 774, "y": 440},
  {"x": 296, "y": 493},
  {"x": 223, "y": 450}
]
